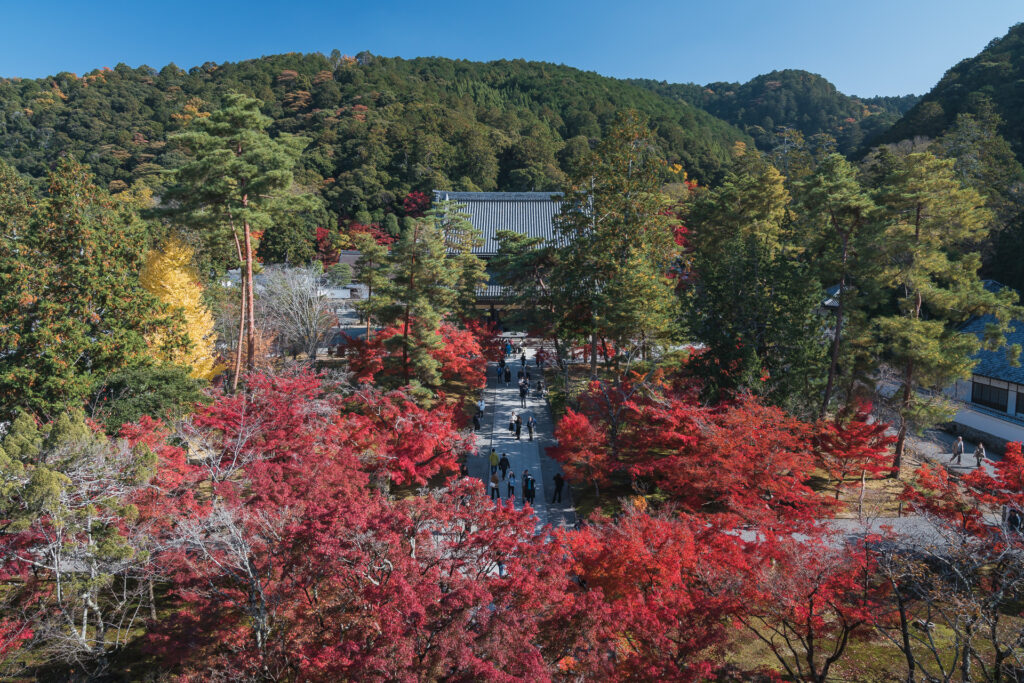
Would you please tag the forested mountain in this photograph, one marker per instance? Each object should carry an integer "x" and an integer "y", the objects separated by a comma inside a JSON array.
[
  {"x": 793, "y": 99},
  {"x": 995, "y": 74},
  {"x": 378, "y": 127}
]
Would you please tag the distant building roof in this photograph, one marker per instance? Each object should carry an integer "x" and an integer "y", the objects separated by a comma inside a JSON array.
[
  {"x": 490, "y": 291},
  {"x": 831, "y": 297},
  {"x": 995, "y": 364},
  {"x": 529, "y": 213}
]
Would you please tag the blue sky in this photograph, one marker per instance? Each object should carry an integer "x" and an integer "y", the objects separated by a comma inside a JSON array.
[{"x": 865, "y": 47}]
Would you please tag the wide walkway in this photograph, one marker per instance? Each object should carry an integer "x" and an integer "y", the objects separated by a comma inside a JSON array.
[{"x": 523, "y": 454}]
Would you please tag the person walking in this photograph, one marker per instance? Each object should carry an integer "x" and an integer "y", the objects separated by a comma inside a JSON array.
[
  {"x": 512, "y": 486},
  {"x": 508, "y": 375},
  {"x": 559, "y": 483},
  {"x": 958, "y": 449},
  {"x": 508, "y": 348},
  {"x": 520, "y": 375},
  {"x": 503, "y": 465},
  {"x": 523, "y": 391},
  {"x": 476, "y": 422},
  {"x": 512, "y": 423},
  {"x": 522, "y": 359},
  {"x": 480, "y": 406},
  {"x": 519, "y": 426},
  {"x": 529, "y": 489},
  {"x": 494, "y": 461},
  {"x": 495, "y": 492},
  {"x": 979, "y": 454},
  {"x": 530, "y": 423}
]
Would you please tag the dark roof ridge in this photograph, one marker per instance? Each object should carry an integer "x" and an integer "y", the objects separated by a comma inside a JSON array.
[{"x": 498, "y": 196}]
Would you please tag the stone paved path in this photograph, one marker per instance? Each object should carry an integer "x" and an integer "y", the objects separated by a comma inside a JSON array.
[{"x": 524, "y": 454}]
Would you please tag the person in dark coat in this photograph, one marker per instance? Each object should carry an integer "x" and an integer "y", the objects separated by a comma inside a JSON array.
[
  {"x": 529, "y": 488},
  {"x": 503, "y": 465},
  {"x": 495, "y": 492},
  {"x": 559, "y": 483},
  {"x": 530, "y": 423},
  {"x": 519, "y": 426},
  {"x": 508, "y": 375},
  {"x": 979, "y": 452},
  {"x": 476, "y": 422},
  {"x": 524, "y": 389}
]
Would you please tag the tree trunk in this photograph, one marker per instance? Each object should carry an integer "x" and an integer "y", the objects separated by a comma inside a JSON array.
[
  {"x": 901, "y": 435},
  {"x": 834, "y": 359},
  {"x": 965, "y": 663},
  {"x": 860, "y": 499},
  {"x": 593, "y": 355},
  {"x": 152, "y": 601},
  {"x": 250, "y": 310},
  {"x": 369, "y": 295},
  {"x": 241, "y": 337}
]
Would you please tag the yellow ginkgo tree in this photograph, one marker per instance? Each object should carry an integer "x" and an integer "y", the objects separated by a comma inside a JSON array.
[{"x": 170, "y": 274}]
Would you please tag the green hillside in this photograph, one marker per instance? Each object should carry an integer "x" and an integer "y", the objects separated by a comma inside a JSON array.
[
  {"x": 793, "y": 99},
  {"x": 378, "y": 127},
  {"x": 996, "y": 74}
]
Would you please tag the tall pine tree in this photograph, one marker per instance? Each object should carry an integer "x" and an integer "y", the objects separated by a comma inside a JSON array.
[
  {"x": 618, "y": 242},
  {"x": 236, "y": 184},
  {"x": 931, "y": 270},
  {"x": 840, "y": 231}
]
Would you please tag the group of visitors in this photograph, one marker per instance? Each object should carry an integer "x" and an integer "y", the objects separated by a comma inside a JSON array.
[
  {"x": 515, "y": 426},
  {"x": 529, "y": 483},
  {"x": 500, "y": 465},
  {"x": 958, "y": 452}
]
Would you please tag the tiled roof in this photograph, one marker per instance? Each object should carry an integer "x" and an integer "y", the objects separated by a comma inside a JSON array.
[
  {"x": 530, "y": 213},
  {"x": 994, "y": 364},
  {"x": 490, "y": 291}
]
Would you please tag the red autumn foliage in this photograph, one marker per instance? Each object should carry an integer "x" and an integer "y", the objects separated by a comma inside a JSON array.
[
  {"x": 964, "y": 502},
  {"x": 582, "y": 449},
  {"x": 326, "y": 248},
  {"x": 741, "y": 461},
  {"x": 933, "y": 491},
  {"x": 406, "y": 441},
  {"x": 351, "y": 586},
  {"x": 416, "y": 204},
  {"x": 665, "y": 586},
  {"x": 849, "y": 447},
  {"x": 13, "y": 634},
  {"x": 809, "y": 602},
  {"x": 462, "y": 355},
  {"x": 373, "y": 230},
  {"x": 282, "y": 557}
]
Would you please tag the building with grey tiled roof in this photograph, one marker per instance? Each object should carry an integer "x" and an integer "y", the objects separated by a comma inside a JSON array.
[
  {"x": 995, "y": 382},
  {"x": 530, "y": 213},
  {"x": 996, "y": 387}
]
